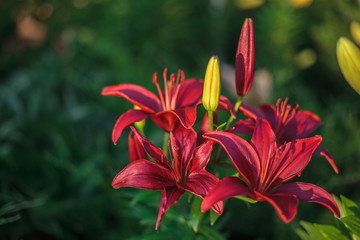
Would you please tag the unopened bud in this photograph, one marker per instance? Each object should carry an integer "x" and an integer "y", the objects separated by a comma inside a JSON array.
[
  {"x": 211, "y": 92},
  {"x": 348, "y": 56},
  {"x": 245, "y": 59},
  {"x": 355, "y": 31}
]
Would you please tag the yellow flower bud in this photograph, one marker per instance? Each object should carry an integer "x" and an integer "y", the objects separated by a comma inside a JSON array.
[
  {"x": 355, "y": 31},
  {"x": 348, "y": 55},
  {"x": 211, "y": 93}
]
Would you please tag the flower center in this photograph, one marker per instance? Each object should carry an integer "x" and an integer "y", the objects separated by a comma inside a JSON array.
[
  {"x": 171, "y": 89},
  {"x": 284, "y": 116}
]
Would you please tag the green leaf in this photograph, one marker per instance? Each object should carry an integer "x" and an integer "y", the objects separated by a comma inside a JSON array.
[
  {"x": 353, "y": 223},
  {"x": 211, "y": 234},
  {"x": 302, "y": 234},
  {"x": 313, "y": 232},
  {"x": 213, "y": 217},
  {"x": 245, "y": 199},
  {"x": 319, "y": 231},
  {"x": 340, "y": 205},
  {"x": 11, "y": 219},
  {"x": 331, "y": 232},
  {"x": 351, "y": 208},
  {"x": 196, "y": 215}
]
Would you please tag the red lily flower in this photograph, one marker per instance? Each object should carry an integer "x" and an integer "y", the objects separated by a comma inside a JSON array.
[
  {"x": 185, "y": 173},
  {"x": 245, "y": 59},
  {"x": 265, "y": 166},
  {"x": 287, "y": 124},
  {"x": 178, "y": 102}
]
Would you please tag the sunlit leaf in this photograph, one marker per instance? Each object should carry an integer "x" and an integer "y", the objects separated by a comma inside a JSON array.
[
  {"x": 320, "y": 232},
  {"x": 246, "y": 199},
  {"x": 353, "y": 223},
  {"x": 351, "y": 208}
]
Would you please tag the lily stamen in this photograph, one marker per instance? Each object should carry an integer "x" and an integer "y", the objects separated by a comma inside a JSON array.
[
  {"x": 161, "y": 96},
  {"x": 181, "y": 77},
  {"x": 166, "y": 90},
  {"x": 171, "y": 85}
]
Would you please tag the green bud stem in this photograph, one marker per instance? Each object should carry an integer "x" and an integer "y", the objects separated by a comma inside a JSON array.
[
  {"x": 231, "y": 118},
  {"x": 211, "y": 120}
]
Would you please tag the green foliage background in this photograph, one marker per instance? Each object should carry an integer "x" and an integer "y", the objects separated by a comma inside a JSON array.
[{"x": 57, "y": 160}]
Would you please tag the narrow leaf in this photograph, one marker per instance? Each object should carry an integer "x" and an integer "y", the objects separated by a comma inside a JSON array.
[
  {"x": 353, "y": 223},
  {"x": 302, "y": 234},
  {"x": 331, "y": 232},
  {"x": 314, "y": 233},
  {"x": 211, "y": 234},
  {"x": 213, "y": 217},
  {"x": 320, "y": 231},
  {"x": 196, "y": 215},
  {"x": 245, "y": 199},
  {"x": 351, "y": 208}
]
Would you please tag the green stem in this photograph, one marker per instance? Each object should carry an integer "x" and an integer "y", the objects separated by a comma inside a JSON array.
[
  {"x": 236, "y": 108},
  {"x": 238, "y": 102},
  {"x": 165, "y": 143},
  {"x": 211, "y": 120}
]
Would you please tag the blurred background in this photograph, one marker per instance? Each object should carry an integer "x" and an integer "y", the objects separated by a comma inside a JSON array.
[{"x": 57, "y": 160}]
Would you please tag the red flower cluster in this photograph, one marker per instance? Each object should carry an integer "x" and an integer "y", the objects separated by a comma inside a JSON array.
[
  {"x": 278, "y": 150},
  {"x": 265, "y": 166}
]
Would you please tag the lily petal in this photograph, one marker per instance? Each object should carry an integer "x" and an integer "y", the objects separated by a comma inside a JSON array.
[
  {"x": 205, "y": 126},
  {"x": 167, "y": 119},
  {"x": 200, "y": 183},
  {"x": 183, "y": 142},
  {"x": 125, "y": 120},
  {"x": 135, "y": 94},
  {"x": 241, "y": 153},
  {"x": 144, "y": 174},
  {"x": 169, "y": 197},
  {"x": 285, "y": 205},
  {"x": 302, "y": 125},
  {"x": 325, "y": 153},
  {"x": 308, "y": 192},
  {"x": 201, "y": 156},
  {"x": 154, "y": 152},
  {"x": 251, "y": 112},
  {"x": 243, "y": 126},
  {"x": 190, "y": 92},
  {"x": 225, "y": 104},
  {"x": 269, "y": 113},
  {"x": 294, "y": 158},
  {"x": 136, "y": 150},
  {"x": 226, "y": 188},
  {"x": 264, "y": 141}
]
